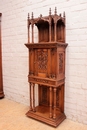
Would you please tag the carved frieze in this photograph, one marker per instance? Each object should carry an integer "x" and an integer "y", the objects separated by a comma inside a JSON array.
[{"x": 41, "y": 81}]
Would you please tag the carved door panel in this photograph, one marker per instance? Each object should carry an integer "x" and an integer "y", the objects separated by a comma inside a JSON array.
[{"x": 41, "y": 62}]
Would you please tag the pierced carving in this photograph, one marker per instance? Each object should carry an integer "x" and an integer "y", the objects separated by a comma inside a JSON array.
[
  {"x": 42, "y": 58},
  {"x": 60, "y": 62}
]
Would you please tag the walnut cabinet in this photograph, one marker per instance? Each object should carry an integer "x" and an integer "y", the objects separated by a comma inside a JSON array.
[
  {"x": 47, "y": 68},
  {"x": 1, "y": 78}
]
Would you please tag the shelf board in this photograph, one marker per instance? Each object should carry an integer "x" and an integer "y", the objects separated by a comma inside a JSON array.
[{"x": 42, "y": 114}]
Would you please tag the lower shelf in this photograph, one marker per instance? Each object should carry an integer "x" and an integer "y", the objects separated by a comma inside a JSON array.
[{"x": 42, "y": 114}]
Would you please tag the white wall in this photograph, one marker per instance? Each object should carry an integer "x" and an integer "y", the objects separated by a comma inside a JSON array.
[{"x": 15, "y": 54}]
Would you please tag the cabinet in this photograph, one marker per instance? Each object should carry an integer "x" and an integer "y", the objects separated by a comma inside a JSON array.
[
  {"x": 47, "y": 68},
  {"x": 1, "y": 79}
]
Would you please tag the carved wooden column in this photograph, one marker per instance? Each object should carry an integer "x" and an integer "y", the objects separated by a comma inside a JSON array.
[
  {"x": 33, "y": 97},
  {"x": 32, "y": 25},
  {"x": 1, "y": 77},
  {"x": 55, "y": 29},
  {"x": 54, "y": 112},
  {"x": 30, "y": 97},
  {"x": 50, "y": 25},
  {"x": 50, "y": 89},
  {"x": 28, "y": 29}
]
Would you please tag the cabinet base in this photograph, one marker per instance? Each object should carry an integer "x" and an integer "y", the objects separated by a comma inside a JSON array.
[
  {"x": 1, "y": 95},
  {"x": 42, "y": 114}
]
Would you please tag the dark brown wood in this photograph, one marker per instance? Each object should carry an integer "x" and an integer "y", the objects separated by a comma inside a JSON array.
[
  {"x": 47, "y": 68},
  {"x": 1, "y": 77}
]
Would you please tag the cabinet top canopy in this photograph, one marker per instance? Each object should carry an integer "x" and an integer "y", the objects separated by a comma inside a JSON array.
[
  {"x": 48, "y": 18},
  {"x": 51, "y": 28}
]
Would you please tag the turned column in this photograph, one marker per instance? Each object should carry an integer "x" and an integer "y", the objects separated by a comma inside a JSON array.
[
  {"x": 1, "y": 77},
  {"x": 30, "y": 96},
  {"x": 55, "y": 28},
  {"x": 50, "y": 90},
  {"x": 28, "y": 29},
  {"x": 32, "y": 25},
  {"x": 55, "y": 31},
  {"x": 54, "y": 111},
  {"x": 50, "y": 25},
  {"x": 33, "y": 97}
]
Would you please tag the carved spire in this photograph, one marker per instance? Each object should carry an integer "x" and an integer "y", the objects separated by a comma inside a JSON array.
[
  {"x": 32, "y": 16},
  {"x": 55, "y": 11},
  {"x": 60, "y": 14},
  {"x": 64, "y": 14},
  {"x": 40, "y": 15},
  {"x": 50, "y": 11},
  {"x": 28, "y": 16}
]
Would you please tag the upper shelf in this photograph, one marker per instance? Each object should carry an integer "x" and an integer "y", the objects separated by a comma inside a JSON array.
[{"x": 51, "y": 28}]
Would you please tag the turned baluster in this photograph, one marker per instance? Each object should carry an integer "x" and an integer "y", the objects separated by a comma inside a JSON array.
[
  {"x": 54, "y": 111},
  {"x": 34, "y": 97},
  {"x": 28, "y": 29},
  {"x": 55, "y": 29},
  {"x": 49, "y": 25},
  {"x": 30, "y": 96},
  {"x": 32, "y": 25},
  {"x": 50, "y": 89}
]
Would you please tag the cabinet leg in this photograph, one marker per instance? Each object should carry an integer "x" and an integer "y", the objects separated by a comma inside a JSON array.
[
  {"x": 30, "y": 98},
  {"x": 54, "y": 111},
  {"x": 50, "y": 89},
  {"x": 34, "y": 97}
]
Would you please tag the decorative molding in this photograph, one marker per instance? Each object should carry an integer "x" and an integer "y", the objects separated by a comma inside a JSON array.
[
  {"x": 46, "y": 45},
  {"x": 42, "y": 81}
]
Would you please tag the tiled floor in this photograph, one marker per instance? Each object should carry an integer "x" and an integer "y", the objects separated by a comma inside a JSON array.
[{"x": 12, "y": 117}]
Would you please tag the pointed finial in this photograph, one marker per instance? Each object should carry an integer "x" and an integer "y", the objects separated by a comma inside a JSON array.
[
  {"x": 28, "y": 16},
  {"x": 55, "y": 11},
  {"x": 50, "y": 11},
  {"x": 32, "y": 15},
  {"x": 64, "y": 14},
  {"x": 40, "y": 15},
  {"x": 60, "y": 14}
]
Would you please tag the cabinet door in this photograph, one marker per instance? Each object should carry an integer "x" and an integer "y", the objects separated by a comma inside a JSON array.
[{"x": 41, "y": 60}]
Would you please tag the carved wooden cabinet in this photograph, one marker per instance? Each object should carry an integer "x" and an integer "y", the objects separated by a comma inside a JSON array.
[
  {"x": 1, "y": 79},
  {"x": 47, "y": 68}
]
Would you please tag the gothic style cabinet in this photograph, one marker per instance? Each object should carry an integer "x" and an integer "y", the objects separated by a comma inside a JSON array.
[
  {"x": 1, "y": 79},
  {"x": 47, "y": 68}
]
